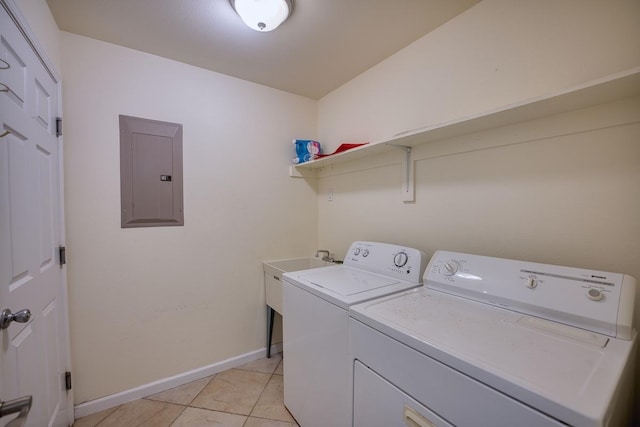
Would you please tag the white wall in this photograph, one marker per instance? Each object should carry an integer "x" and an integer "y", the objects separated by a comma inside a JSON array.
[
  {"x": 150, "y": 303},
  {"x": 560, "y": 190}
]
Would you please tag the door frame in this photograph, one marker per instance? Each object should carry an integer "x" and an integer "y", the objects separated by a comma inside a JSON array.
[{"x": 23, "y": 25}]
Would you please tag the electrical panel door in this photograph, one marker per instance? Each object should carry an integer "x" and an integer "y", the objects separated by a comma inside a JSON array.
[{"x": 150, "y": 173}]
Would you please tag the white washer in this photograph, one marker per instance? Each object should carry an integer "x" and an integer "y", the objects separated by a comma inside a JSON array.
[
  {"x": 494, "y": 342},
  {"x": 315, "y": 325}
]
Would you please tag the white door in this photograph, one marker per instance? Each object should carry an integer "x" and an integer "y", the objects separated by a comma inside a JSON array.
[{"x": 34, "y": 354}]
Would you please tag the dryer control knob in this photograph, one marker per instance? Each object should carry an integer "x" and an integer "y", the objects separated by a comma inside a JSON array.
[
  {"x": 356, "y": 251},
  {"x": 531, "y": 283},
  {"x": 400, "y": 260},
  {"x": 449, "y": 268},
  {"x": 595, "y": 294},
  {"x": 365, "y": 253}
]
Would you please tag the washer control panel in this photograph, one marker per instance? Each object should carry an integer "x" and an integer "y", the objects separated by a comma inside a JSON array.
[
  {"x": 395, "y": 261},
  {"x": 594, "y": 300}
]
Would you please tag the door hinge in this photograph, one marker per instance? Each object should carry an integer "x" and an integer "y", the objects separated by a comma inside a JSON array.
[
  {"x": 59, "y": 126},
  {"x": 67, "y": 380},
  {"x": 62, "y": 252}
]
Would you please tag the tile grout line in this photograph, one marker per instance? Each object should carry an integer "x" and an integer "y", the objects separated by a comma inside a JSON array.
[
  {"x": 261, "y": 393},
  {"x": 203, "y": 388},
  {"x": 178, "y": 416},
  {"x": 184, "y": 407}
]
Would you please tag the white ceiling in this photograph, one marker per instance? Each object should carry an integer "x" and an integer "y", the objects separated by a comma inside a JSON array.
[{"x": 324, "y": 44}]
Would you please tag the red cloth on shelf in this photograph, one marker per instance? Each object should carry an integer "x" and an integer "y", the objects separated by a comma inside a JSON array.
[{"x": 340, "y": 149}]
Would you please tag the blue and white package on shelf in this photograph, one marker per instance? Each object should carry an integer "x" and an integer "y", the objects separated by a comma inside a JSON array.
[{"x": 306, "y": 149}]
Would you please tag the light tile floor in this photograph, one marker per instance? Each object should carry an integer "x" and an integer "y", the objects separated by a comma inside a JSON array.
[{"x": 250, "y": 395}]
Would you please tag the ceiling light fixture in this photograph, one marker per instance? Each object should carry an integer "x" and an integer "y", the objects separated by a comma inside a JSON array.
[{"x": 263, "y": 15}]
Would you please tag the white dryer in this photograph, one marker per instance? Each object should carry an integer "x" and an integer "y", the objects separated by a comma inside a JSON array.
[
  {"x": 315, "y": 324},
  {"x": 495, "y": 342}
]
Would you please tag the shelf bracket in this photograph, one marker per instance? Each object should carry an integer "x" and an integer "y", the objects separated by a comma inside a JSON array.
[{"x": 408, "y": 191}]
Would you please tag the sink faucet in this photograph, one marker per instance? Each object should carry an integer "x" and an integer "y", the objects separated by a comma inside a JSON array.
[{"x": 327, "y": 257}]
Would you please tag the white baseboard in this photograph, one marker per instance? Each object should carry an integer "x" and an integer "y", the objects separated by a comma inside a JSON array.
[{"x": 97, "y": 405}]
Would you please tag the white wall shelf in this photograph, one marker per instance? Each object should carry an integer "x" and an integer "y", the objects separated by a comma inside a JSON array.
[{"x": 608, "y": 89}]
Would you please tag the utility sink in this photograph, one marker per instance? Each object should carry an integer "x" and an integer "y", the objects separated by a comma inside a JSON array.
[
  {"x": 273, "y": 271},
  {"x": 297, "y": 264}
]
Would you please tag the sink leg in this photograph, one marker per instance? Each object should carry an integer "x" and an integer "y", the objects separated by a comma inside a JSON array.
[{"x": 270, "y": 313}]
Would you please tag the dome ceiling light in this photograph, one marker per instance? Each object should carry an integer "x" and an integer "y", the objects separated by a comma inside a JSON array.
[{"x": 263, "y": 15}]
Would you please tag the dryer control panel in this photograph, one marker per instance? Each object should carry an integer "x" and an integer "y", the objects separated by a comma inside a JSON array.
[
  {"x": 597, "y": 301},
  {"x": 395, "y": 261}
]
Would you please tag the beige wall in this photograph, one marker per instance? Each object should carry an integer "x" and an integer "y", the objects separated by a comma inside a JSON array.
[
  {"x": 150, "y": 303},
  {"x": 497, "y": 53},
  {"x": 560, "y": 190}
]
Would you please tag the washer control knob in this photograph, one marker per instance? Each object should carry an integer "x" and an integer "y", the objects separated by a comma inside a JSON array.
[
  {"x": 595, "y": 294},
  {"x": 365, "y": 253},
  {"x": 449, "y": 268},
  {"x": 400, "y": 259},
  {"x": 531, "y": 283},
  {"x": 356, "y": 251}
]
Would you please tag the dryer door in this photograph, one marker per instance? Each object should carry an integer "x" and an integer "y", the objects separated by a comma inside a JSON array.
[{"x": 378, "y": 403}]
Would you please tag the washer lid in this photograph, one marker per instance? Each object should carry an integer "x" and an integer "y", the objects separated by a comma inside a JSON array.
[{"x": 347, "y": 281}]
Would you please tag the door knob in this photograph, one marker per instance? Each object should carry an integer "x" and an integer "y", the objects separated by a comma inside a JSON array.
[
  {"x": 6, "y": 317},
  {"x": 21, "y": 406}
]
